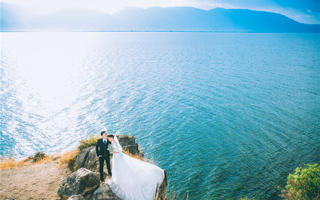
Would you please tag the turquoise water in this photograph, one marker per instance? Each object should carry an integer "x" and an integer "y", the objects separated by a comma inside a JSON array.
[{"x": 226, "y": 114}]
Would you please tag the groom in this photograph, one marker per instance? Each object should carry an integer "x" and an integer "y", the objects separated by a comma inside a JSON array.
[{"x": 103, "y": 153}]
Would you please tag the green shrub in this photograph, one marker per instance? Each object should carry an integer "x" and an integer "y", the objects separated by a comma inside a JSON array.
[
  {"x": 75, "y": 166},
  {"x": 90, "y": 141},
  {"x": 304, "y": 184}
]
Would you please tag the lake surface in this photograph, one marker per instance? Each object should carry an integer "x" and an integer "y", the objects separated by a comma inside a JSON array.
[{"x": 226, "y": 114}]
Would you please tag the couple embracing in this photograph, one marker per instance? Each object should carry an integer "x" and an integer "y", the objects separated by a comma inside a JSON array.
[
  {"x": 130, "y": 178},
  {"x": 102, "y": 151}
]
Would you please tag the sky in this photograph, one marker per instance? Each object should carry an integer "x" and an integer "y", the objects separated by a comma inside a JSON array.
[{"x": 305, "y": 11}]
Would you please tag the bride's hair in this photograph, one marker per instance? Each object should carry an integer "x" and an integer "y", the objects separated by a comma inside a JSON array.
[{"x": 112, "y": 136}]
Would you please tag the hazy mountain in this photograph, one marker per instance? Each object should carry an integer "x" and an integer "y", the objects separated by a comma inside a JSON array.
[
  {"x": 219, "y": 19},
  {"x": 157, "y": 19}
]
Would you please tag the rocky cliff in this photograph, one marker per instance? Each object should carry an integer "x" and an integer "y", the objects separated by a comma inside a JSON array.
[{"x": 84, "y": 184}]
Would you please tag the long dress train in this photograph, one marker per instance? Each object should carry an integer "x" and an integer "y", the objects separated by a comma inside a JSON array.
[{"x": 133, "y": 179}]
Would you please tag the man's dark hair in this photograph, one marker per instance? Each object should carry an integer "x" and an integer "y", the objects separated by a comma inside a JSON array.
[
  {"x": 102, "y": 132},
  {"x": 112, "y": 136}
]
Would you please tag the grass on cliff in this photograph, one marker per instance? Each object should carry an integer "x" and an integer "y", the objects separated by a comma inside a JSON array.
[
  {"x": 11, "y": 163},
  {"x": 68, "y": 158},
  {"x": 90, "y": 141}
]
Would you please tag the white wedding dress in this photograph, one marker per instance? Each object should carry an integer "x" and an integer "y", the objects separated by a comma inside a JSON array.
[{"x": 133, "y": 179}]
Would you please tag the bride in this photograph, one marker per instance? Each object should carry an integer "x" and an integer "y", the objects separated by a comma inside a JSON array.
[{"x": 133, "y": 179}]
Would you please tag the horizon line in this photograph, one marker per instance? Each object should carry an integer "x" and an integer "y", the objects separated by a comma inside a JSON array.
[{"x": 141, "y": 31}]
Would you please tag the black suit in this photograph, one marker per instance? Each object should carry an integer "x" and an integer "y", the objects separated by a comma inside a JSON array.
[{"x": 104, "y": 155}]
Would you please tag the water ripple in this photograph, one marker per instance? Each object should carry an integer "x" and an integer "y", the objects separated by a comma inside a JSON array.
[{"x": 224, "y": 118}]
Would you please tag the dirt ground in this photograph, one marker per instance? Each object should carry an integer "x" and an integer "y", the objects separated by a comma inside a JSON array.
[{"x": 37, "y": 181}]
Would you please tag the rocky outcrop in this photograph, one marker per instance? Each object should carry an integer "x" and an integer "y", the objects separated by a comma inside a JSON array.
[
  {"x": 129, "y": 144},
  {"x": 79, "y": 182},
  {"x": 104, "y": 192},
  {"x": 84, "y": 183},
  {"x": 87, "y": 157}
]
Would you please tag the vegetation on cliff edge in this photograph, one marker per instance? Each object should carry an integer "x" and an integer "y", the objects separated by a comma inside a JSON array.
[{"x": 304, "y": 184}]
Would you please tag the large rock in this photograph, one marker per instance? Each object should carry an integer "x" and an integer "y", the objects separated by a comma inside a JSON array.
[
  {"x": 79, "y": 182},
  {"x": 104, "y": 192},
  {"x": 88, "y": 159},
  {"x": 129, "y": 144}
]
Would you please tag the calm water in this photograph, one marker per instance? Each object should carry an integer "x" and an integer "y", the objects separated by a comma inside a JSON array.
[{"x": 226, "y": 115}]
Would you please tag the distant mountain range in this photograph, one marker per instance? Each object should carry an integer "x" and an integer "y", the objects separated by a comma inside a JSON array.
[{"x": 154, "y": 19}]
